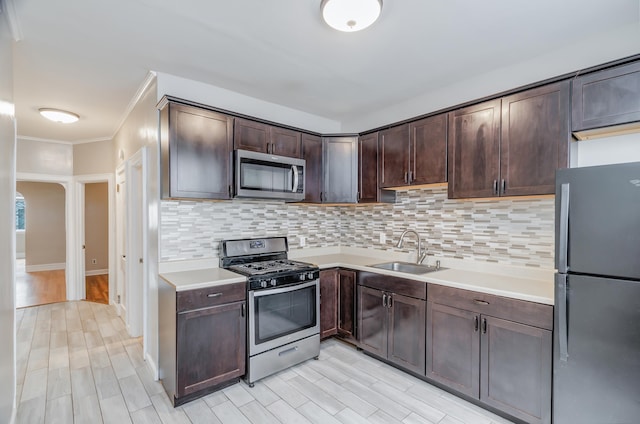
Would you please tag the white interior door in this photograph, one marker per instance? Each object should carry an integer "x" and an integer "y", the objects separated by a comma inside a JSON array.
[
  {"x": 121, "y": 241},
  {"x": 136, "y": 283}
]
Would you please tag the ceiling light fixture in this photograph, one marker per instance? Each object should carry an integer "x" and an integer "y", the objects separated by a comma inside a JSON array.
[
  {"x": 57, "y": 115},
  {"x": 350, "y": 15}
]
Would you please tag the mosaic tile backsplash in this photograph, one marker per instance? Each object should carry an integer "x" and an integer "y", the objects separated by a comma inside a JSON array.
[{"x": 506, "y": 231}]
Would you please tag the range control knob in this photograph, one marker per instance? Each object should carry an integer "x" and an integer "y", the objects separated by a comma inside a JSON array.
[
  {"x": 273, "y": 282},
  {"x": 310, "y": 275},
  {"x": 302, "y": 277},
  {"x": 263, "y": 284}
]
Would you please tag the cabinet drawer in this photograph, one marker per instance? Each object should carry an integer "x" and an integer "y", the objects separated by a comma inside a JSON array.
[
  {"x": 402, "y": 286},
  {"x": 210, "y": 296},
  {"x": 531, "y": 313}
]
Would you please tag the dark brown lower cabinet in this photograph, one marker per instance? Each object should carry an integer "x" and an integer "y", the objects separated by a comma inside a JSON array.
[
  {"x": 347, "y": 304},
  {"x": 211, "y": 347},
  {"x": 392, "y": 326},
  {"x": 202, "y": 335},
  {"x": 328, "y": 303},
  {"x": 501, "y": 362}
]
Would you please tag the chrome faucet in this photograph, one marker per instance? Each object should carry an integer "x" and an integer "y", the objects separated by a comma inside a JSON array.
[{"x": 421, "y": 255}]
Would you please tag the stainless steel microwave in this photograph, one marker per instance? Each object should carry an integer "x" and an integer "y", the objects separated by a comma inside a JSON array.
[{"x": 266, "y": 176}]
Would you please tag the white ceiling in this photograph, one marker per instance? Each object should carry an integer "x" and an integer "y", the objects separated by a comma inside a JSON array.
[{"x": 91, "y": 57}]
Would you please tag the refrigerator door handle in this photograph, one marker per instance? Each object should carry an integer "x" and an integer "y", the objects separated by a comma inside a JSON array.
[
  {"x": 563, "y": 237},
  {"x": 563, "y": 318}
]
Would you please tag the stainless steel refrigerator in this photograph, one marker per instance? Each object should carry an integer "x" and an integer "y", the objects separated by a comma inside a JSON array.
[{"x": 596, "y": 374}]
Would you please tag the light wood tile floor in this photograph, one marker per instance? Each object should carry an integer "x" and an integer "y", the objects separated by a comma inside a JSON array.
[{"x": 76, "y": 364}]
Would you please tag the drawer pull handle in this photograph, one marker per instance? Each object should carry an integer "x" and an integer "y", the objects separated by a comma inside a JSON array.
[
  {"x": 481, "y": 302},
  {"x": 475, "y": 326},
  {"x": 290, "y": 350},
  {"x": 214, "y": 295}
]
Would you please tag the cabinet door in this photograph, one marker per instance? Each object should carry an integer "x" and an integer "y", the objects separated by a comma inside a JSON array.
[
  {"x": 372, "y": 319},
  {"x": 407, "y": 332},
  {"x": 340, "y": 170},
  {"x": 394, "y": 157},
  {"x": 428, "y": 150},
  {"x": 516, "y": 369},
  {"x": 606, "y": 98},
  {"x": 328, "y": 303},
  {"x": 474, "y": 150},
  {"x": 535, "y": 139},
  {"x": 285, "y": 142},
  {"x": 368, "y": 168},
  {"x": 453, "y": 348},
  {"x": 197, "y": 148},
  {"x": 251, "y": 135},
  {"x": 312, "y": 154},
  {"x": 211, "y": 346},
  {"x": 347, "y": 303}
]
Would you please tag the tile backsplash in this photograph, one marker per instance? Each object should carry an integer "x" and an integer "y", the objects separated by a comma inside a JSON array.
[{"x": 506, "y": 231}]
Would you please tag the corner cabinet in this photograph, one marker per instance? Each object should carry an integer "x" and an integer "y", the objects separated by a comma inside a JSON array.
[
  {"x": 203, "y": 341},
  {"x": 493, "y": 349},
  {"x": 510, "y": 146},
  {"x": 340, "y": 165},
  {"x": 196, "y": 152},
  {"x": 347, "y": 305},
  {"x": 391, "y": 317}
]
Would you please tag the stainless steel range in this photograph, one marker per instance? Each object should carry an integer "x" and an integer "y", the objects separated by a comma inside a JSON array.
[{"x": 283, "y": 302}]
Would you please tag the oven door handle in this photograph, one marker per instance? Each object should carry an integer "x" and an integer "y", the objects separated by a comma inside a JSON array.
[{"x": 268, "y": 292}]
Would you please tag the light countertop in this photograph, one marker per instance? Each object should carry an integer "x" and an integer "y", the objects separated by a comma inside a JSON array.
[
  {"x": 530, "y": 284},
  {"x": 201, "y": 278}
]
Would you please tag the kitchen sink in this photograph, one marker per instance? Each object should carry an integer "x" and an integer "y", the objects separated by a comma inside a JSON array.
[{"x": 407, "y": 267}]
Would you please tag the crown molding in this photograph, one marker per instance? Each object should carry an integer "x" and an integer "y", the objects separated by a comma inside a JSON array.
[
  {"x": 43, "y": 140},
  {"x": 48, "y": 140},
  {"x": 12, "y": 18},
  {"x": 148, "y": 80}
]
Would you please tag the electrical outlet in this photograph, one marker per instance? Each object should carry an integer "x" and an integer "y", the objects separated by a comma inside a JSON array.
[
  {"x": 94, "y": 261},
  {"x": 303, "y": 241},
  {"x": 383, "y": 238}
]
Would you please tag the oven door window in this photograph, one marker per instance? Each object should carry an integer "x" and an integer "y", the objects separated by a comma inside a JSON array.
[
  {"x": 285, "y": 313},
  {"x": 265, "y": 176}
]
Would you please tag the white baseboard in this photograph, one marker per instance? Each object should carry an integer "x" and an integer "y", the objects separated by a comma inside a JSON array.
[
  {"x": 96, "y": 272},
  {"x": 45, "y": 267},
  {"x": 152, "y": 365}
]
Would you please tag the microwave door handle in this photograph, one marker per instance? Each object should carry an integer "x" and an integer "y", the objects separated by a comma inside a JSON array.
[{"x": 294, "y": 169}]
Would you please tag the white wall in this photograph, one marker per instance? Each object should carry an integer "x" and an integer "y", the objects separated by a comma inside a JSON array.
[
  {"x": 570, "y": 58},
  {"x": 43, "y": 157},
  {"x": 607, "y": 150},
  {"x": 235, "y": 102},
  {"x": 140, "y": 129},
  {"x": 7, "y": 228}
]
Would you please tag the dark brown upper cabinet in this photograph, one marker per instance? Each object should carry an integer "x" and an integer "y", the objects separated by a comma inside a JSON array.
[
  {"x": 604, "y": 99},
  {"x": 428, "y": 150},
  {"x": 510, "y": 146},
  {"x": 394, "y": 157},
  {"x": 368, "y": 168},
  {"x": 197, "y": 148},
  {"x": 474, "y": 150},
  {"x": 259, "y": 137},
  {"x": 340, "y": 165},
  {"x": 535, "y": 139},
  {"x": 414, "y": 153},
  {"x": 312, "y": 154}
]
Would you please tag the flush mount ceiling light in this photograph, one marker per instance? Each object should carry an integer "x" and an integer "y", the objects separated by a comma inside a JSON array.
[
  {"x": 350, "y": 15},
  {"x": 57, "y": 115}
]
